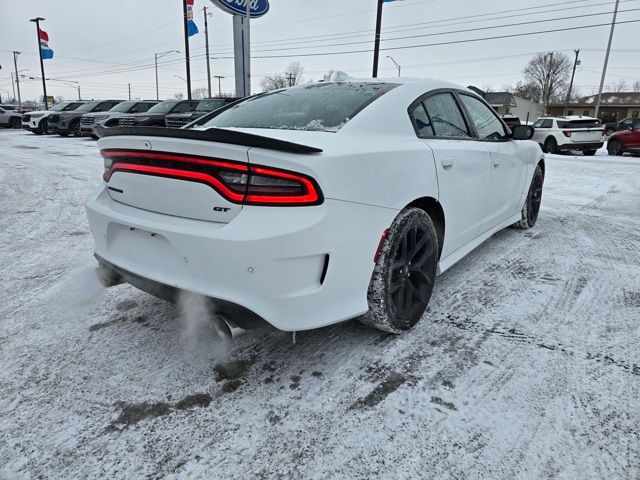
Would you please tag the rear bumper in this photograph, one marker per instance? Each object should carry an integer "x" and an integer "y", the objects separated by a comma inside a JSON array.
[
  {"x": 581, "y": 146},
  {"x": 296, "y": 268}
]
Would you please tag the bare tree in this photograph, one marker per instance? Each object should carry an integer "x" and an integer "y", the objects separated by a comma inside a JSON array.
[
  {"x": 636, "y": 86},
  {"x": 59, "y": 99},
  {"x": 327, "y": 76},
  {"x": 529, "y": 91},
  {"x": 292, "y": 76},
  {"x": 617, "y": 86},
  {"x": 200, "y": 93},
  {"x": 487, "y": 89},
  {"x": 178, "y": 96},
  {"x": 550, "y": 73}
]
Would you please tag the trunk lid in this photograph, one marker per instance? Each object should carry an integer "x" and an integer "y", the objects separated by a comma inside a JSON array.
[{"x": 171, "y": 176}]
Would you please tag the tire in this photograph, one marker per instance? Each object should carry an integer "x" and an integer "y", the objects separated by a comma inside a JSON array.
[
  {"x": 614, "y": 147},
  {"x": 75, "y": 128},
  {"x": 404, "y": 273},
  {"x": 15, "y": 123},
  {"x": 531, "y": 207},
  {"x": 43, "y": 126},
  {"x": 63, "y": 134},
  {"x": 551, "y": 146},
  {"x": 589, "y": 153}
]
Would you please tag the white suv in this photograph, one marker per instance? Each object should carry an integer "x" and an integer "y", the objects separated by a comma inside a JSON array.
[{"x": 558, "y": 134}]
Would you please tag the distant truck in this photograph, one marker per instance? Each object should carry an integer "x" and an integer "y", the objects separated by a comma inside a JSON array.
[
  {"x": 155, "y": 117},
  {"x": 65, "y": 123},
  {"x": 90, "y": 121},
  {"x": 208, "y": 105}
]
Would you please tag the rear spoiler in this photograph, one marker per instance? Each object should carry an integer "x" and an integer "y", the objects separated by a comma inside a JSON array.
[{"x": 218, "y": 135}]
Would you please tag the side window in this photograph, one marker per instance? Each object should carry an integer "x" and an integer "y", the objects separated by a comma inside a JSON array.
[
  {"x": 547, "y": 124},
  {"x": 140, "y": 108},
  {"x": 487, "y": 124},
  {"x": 538, "y": 124},
  {"x": 422, "y": 121},
  {"x": 446, "y": 118},
  {"x": 182, "y": 107}
]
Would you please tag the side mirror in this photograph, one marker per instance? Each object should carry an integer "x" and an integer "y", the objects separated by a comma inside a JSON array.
[{"x": 522, "y": 132}]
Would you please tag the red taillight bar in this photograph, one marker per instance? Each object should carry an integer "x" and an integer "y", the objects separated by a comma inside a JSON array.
[{"x": 311, "y": 194}]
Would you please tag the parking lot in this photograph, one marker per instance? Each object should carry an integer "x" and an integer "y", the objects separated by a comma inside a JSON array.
[{"x": 526, "y": 365}]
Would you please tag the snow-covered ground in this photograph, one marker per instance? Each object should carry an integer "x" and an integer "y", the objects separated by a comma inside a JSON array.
[{"x": 527, "y": 364}]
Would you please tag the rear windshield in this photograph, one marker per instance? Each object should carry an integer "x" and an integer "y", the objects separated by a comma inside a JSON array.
[
  {"x": 323, "y": 107},
  {"x": 163, "y": 107},
  {"x": 211, "y": 105},
  {"x": 578, "y": 123}
]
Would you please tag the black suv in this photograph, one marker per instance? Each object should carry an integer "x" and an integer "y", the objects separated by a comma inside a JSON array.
[
  {"x": 64, "y": 123},
  {"x": 625, "y": 124},
  {"x": 155, "y": 117},
  {"x": 178, "y": 120}
]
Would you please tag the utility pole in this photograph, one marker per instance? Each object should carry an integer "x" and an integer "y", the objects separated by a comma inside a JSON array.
[
  {"x": 219, "y": 77},
  {"x": 206, "y": 39},
  {"x": 186, "y": 48},
  {"x": 376, "y": 48},
  {"x": 606, "y": 59},
  {"x": 576, "y": 62},
  {"x": 37, "y": 21},
  {"x": 15, "y": 64},
  {"x": 129, "y": 91},
  {"x": 291, "y": 77},
  {"x": 13, "y": 87},
  {"x": 79, "y": 96}
]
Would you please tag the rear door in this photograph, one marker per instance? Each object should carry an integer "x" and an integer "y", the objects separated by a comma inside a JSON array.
[
  {"x": 508, "y": 170},
  {"x": 463, "y": 167}
]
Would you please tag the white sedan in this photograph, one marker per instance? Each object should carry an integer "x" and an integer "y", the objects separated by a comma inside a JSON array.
[{"x": 315, "y": 204}]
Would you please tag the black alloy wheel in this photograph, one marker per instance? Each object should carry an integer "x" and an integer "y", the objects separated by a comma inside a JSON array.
[
  {"x": 410, "y": 283},
  {"x": 15, "y": 123},
  {"x": 534, "y": 197},
  {"x": 404, "y": 273}
]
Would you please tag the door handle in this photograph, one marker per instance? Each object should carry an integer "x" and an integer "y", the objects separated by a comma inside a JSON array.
[
  {"x": 496, "y": 162},
  {"x": 447, "y": 162}
]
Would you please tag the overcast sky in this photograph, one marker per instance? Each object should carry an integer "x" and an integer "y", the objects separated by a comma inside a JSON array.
[{"x": 106, "y": 44}]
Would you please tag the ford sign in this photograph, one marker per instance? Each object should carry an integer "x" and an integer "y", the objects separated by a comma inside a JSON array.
[{"x": 239, "y": 7}]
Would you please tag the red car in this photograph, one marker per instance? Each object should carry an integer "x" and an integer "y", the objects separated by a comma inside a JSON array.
[{"x": 624, "y": 141}]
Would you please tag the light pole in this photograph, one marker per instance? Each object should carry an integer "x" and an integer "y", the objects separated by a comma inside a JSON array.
[
  {"x": 15, "y": 64},
  {"x": 37, "y": 21},
  {"x": 157, "y": 56},
  {"x": 396, "y": 64},
  {"x": 219, "y": 77}
]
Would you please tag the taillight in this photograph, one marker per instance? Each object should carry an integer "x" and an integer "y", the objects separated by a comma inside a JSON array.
[
  {"x": 237, "y": 182},
  {"x": 567, "y": 133}
]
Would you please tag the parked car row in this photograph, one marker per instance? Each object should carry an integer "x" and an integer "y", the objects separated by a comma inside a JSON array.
[{"x": 81, "y": 118}]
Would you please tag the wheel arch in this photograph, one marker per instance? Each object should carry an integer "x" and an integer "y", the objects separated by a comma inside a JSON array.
[
  {"x": 542, "y": 166},
  {"x": 433, "y": 208}
]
